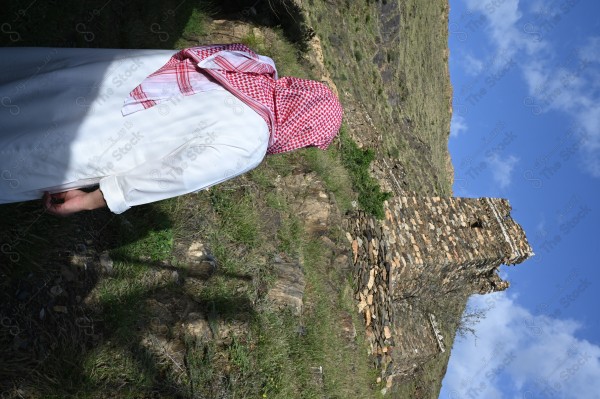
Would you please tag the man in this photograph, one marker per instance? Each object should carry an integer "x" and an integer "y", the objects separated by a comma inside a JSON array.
[{"x": 206, "y": 115}]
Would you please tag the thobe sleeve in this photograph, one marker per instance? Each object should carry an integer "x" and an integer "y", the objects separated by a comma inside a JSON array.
[{"x": 191, "y": 167}]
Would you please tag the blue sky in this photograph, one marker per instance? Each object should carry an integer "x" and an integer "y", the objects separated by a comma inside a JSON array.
[{"x": 526, "y": 126}]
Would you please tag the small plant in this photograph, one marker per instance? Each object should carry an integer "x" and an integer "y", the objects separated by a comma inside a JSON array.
[{"x": 357, "y": 161}]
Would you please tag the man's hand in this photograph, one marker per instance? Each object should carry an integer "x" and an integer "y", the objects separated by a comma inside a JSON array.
[{"x": 69, "y": 202}]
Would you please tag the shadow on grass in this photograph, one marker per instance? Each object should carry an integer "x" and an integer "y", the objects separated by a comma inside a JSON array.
[
  {"x": 155, "y": 24},
  {"x": 184, "y": 271},
  {"x": 270, "y": 13},
  {"x": 48, "y": 266},
  {"x": 69, "y": 328}
]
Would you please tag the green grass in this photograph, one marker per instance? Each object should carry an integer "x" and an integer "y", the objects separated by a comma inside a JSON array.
[
  {"x": 289, "y": 234},
  {"x": 274, "y": 360},
  {"x": 201, "y": 360},
  {"x": 108, "y": 363},
  {"x": 289, "y": 352},
  {"x": 195, "y": 27},
  {"x": 27, "y": 235},
  {"x": 156, "y": 241},
  {"x": 240, "y": 221},
  {"x": 275, "y": 46},
  {"x": 323, "y": 331},
  {"x": 407, "y": 92}
]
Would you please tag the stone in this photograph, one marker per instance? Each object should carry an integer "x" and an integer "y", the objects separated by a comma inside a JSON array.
[
  {"x": 195, "y": 250},
  {"x": 371, "y": 281},
  {"x": 342, "y": 264},
  {"x": 56, "y": 290},
  {"x": 361, "y": 306},
  {"x": 79, "y": 261},
  {"x": 288, "y": 289},
  {"x": 165, "y": 351},
  {"x": 387, "y": 332},
  {"x": 67, "y": 274},
  {"x": 106, "y": 262},
  {"x": 348, "y": 328},
  {"x": 424, "y": 248},
  {"x": 389, "y": 382},
  {"x": 349, "y": 237},
  {"x": 315, "y": 212},
  {"x": 328, "y": 243},
  {"x": 226, "y": 331},
  {"x": 203, "y": 267},
  {"x": 197, "y": 326}
]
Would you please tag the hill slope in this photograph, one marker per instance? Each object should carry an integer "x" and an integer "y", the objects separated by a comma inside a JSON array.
[{"x": 390, "y": 61}]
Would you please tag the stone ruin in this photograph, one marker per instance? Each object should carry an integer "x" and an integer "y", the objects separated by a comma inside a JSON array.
[{"x": 426, "y": 247}]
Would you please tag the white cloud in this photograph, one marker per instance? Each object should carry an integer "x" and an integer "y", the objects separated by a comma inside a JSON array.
[
  {"x": 506, "y": 28},
  {"x": 534, "y": 356},
  {"x": 473, "y": 66},
  {"x": 569, "y": 85},
  {"x": 537, "y": 76},
  {"x": 502, "y": 168},
  {"x": 544, "y": 9},
  {"x": 589, "y": 118},
  {"x": 591, "y": 51},
  {"x": 457, "y": 125},
  {"x": 541, "y": 226}
]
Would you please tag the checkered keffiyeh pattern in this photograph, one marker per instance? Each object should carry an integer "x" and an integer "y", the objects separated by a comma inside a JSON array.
[{"x": 299, "y": 112}]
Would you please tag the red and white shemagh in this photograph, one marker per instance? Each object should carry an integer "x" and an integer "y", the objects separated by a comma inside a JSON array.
[{"x": 299, "y": 112}]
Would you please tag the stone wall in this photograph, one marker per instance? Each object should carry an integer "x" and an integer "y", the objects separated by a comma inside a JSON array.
[{"x": 426, "y": 247}]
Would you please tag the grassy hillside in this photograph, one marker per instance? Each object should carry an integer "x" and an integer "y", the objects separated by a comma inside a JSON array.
[
  {"x": 389, "y": 60},
  {"x": 390, "y": 57},
  {"x": 102, "y": 305}
]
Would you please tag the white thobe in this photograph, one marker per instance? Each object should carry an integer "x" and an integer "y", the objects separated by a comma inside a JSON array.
[{"x": 61, "y": 128}]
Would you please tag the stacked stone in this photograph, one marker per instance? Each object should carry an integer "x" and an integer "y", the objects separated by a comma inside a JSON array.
[
  {"x": 372, "y": 272},
  {"x": 520, "y": 248},
  {"x": 457, "y": 239},
  {"x": 424, "y": 246}
]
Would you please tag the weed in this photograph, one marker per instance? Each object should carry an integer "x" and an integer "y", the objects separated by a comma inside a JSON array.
[
  {"x": 239, "y": 219},
  {"x": 289, "y": 235},
  {"x": 357, "y": 161},
  {"x": 358, "y": 55},
  {"x": 240, "y": 356},
  {"x": 200, "y": 357}
]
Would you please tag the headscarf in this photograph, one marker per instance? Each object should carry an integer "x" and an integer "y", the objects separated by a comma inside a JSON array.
[{"x": 299, "y": 112}]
